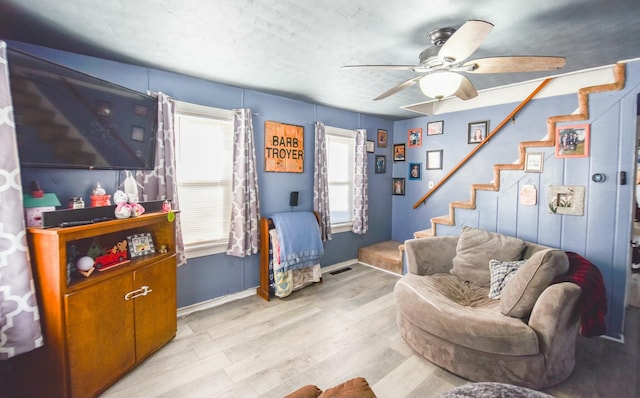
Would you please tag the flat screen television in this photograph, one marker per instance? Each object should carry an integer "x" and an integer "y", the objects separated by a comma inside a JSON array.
[{"x": 67, "y": 119}]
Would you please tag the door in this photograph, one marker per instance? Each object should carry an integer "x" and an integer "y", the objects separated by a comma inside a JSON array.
[
  {"x": 99, "y": 334},
  {"x": 155, "y": 311}
]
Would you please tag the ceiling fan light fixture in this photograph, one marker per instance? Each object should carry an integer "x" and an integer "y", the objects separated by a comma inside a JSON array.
[{"x": 439, "y": 85}]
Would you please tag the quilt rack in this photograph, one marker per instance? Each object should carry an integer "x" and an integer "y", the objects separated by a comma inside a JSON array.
[{"x": 266, "y": 224}]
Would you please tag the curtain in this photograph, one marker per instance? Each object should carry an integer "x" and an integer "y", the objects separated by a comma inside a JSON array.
[
  {"x": 245, "y": 206},
  {"x": 360, "y": 194},
  {"x": 321, "y": 182},
  {"x": 19, "y": 317},
  {"x": 160, "y": 183}
]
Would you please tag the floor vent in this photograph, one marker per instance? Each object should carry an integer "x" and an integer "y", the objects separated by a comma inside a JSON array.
[{"x": 341, "y": 270}]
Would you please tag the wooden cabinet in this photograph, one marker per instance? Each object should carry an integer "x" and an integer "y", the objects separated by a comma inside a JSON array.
[{"x": 97, "y": 328}]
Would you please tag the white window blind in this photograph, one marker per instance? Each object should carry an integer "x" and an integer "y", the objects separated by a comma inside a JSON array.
[
  {"x": 204, "y": 160},
  {"x": 340, "y": 165}
]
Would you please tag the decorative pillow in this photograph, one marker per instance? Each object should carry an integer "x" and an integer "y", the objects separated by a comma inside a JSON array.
[
  {"x": 476, "y": 247},
  {"x": 521, "y": 293},
  {"x": 501, "y": 273}
]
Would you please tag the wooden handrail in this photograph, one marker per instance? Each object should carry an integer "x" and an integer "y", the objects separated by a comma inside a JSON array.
[{"x": 483, "y": 143}]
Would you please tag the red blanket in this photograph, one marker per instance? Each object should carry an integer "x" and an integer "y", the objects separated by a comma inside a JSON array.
[{"x": 593, "y": 299}]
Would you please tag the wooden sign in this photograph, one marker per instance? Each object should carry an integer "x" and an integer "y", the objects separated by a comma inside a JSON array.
[{"x": 283, "y": 147}]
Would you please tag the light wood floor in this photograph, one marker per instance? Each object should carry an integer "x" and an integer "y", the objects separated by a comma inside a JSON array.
[{"x": 328, "y": 333}]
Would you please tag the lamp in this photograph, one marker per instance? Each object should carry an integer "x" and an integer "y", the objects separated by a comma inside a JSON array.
[{"x": 439, "y": 85}]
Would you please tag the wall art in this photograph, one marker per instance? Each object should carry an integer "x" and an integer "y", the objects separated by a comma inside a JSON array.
[
  {"x": 566, "y": 200},
  {"x": 435, "y": 128},
  {"x": 572, "y": 141},
  {"x": 477, "y": 132}
]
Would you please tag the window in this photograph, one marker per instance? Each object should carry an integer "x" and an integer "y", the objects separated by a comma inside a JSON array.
[
  {"x": 204, "y": 166},
  {"x": 340, "y": 162}
]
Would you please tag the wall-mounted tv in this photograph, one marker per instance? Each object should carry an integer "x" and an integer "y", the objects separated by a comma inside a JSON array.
[{"x": 67, "y": 119}]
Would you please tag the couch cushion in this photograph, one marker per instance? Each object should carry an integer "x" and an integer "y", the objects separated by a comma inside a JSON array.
[
  {"x": 501, "y": 273},
  {"x": 461, "y": 312},
  {"x": 521, "y": 293},
  {"x": 476, "y": 247}
]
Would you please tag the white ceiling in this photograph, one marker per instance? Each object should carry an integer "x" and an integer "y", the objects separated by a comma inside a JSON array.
[{"x": 295, "y": 48}]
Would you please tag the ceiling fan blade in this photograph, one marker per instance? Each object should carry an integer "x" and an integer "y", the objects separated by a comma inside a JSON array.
[
  {"x": 513, "y": 64},
  {"x": 465, "y": 40},
  {"x": 466, "y": 91},
  {"x": 382, "y": 67},
  {"x": 397, "y": 88}
]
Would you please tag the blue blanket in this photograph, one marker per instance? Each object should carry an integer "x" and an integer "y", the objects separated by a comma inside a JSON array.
[{"x": 299, "y": 236}]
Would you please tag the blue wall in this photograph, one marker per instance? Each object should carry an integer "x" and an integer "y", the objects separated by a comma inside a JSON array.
[
  {"x": 205, "y": 278},
  {"x": 602, "y": 235}
]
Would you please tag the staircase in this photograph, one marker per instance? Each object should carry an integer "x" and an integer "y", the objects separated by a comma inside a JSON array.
[{"x": 549, "y": 141}]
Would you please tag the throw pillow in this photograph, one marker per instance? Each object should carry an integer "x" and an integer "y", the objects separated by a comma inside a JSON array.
[
  {"x": 501, "y": 273},
  {"x": 521, "y": 293},
  {"x": 476, "y": 247}
]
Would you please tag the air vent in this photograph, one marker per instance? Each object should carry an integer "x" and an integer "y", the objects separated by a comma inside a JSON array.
[{"x": 341, "y": 270}]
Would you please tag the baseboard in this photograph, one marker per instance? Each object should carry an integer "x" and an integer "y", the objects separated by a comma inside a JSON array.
[{"x": 205, "y": 305}]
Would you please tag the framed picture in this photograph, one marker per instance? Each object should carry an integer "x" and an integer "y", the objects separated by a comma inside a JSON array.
[
  {"x": 398, "y": 186},
  {"x": 415, "y": 138},
  {"x": 572, "y": 141},
  {"x": 382, "y": 138},
  {"x": 566, "y": 199},
  {"x": 415, "y": 171},
  {"x": 381, "y": 164},
  {"x": 477, "y": 132},
  {"x": 139, "y": 110},
  {"x": 371, "y": 146},
  {"x": 140, "y": 244},
  {"x": 434, "y": 159},
  {"x": 137, "y": 133},
  {"x": 399, "y": 151},
  {"x": 435, "y": 128},
  {"x": 533, "y": 162}
]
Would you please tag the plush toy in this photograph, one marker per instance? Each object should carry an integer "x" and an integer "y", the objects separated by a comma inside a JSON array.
[{"x": 125, "y": 208}]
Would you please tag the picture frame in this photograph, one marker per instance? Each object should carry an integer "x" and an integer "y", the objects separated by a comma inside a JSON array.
[
  {"x": 434, "y": 159},
  {"x": 381, "y": 164},
  {"x": 566, "y": 200},
  {"x": 414, "y": 138},
  {"x": 371, "y": 146},
  {"x": 435, "y": 128},
  {"x": 477, "y": 132},
  {"x": 139, "y": 110},
  {"x": 533, "y": 162},
  {"x": 140, "y": 244},
  {"x": 415, "y": 171},
  {"x": 399, "y": 152},
  {"x": 573, "y": 141},
  {"x": 398, "y": 186},
  {"x": 137, "y": 133},
  {"x": 382, "y": 138}
]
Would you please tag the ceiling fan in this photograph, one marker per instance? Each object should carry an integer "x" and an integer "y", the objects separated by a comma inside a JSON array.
[{"x": 443, "y": 63}]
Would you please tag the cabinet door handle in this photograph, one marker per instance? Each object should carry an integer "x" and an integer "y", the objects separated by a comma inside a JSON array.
[{"x": 143, "y": 291}]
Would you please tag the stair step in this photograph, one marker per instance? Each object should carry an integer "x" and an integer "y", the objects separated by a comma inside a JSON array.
[
  {"x": 425, "y": 233},
  {"x": 445, "y": 220},
  {"x": 386, "y": 255}
]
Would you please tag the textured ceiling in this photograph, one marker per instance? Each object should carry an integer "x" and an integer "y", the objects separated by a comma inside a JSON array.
[{"x": 295, "y": 48}]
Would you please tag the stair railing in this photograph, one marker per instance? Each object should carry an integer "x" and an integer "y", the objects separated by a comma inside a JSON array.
[{"x": 482, "y": 143}]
